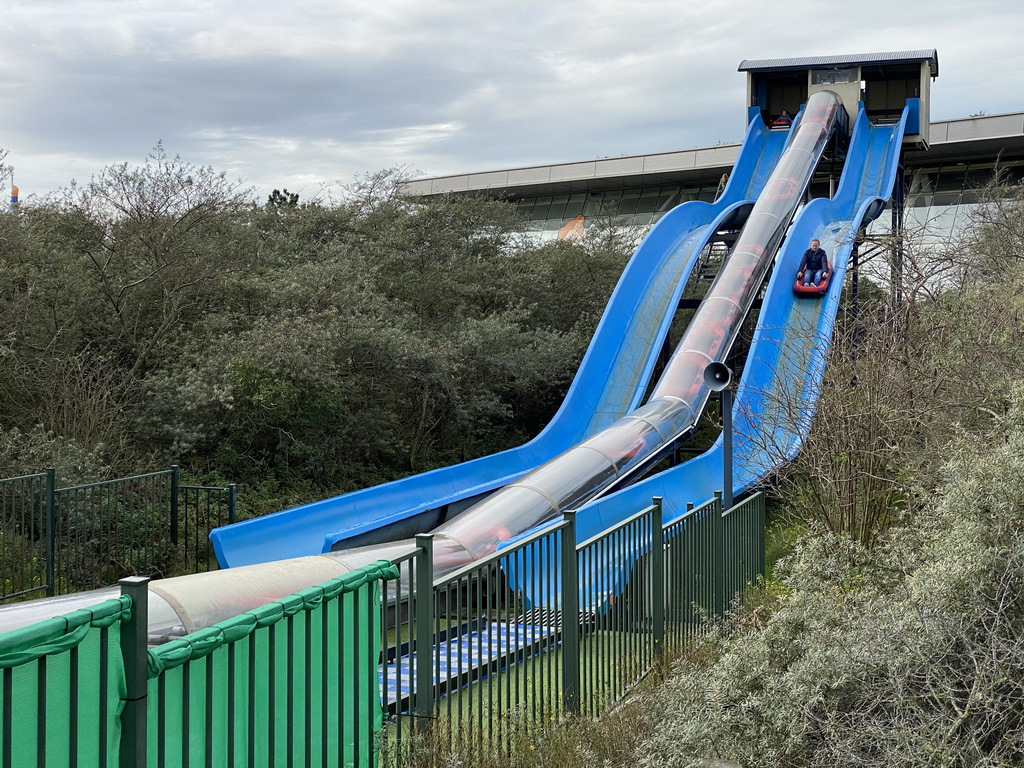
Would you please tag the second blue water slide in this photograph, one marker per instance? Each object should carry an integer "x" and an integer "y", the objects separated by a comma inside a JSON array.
[
  {"x": 641, "y": 437},
  {"x": 781, "y": 383},
  {"x": 610, "y": 382}
]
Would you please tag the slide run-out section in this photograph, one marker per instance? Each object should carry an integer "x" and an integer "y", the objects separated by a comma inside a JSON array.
[
  {"x": 610, "y": 382},
  {"x": 779, "y": 389}
]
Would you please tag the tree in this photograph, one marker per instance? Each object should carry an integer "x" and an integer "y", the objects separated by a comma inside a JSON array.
[
  {"x": 279, "y": 199},
  {"x": 153, "y": 240}
]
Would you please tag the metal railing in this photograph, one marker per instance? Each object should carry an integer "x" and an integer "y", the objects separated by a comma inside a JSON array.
[
  {"x": 61, "y": 540},
  {"x": 26, "y": 548},
  {"x": 293, "y": 682},
  {"x": 537, "y": 631},
  {"x": 477, "y": 662},
  {"x": 199, "y": 510},
  {"x": 61, "y": 689}
]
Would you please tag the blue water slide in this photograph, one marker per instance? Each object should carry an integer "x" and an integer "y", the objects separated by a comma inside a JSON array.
[
  {"x": 639, "y": 438},
  {"x": 779, "y": 389},
  {"x": 611, "y": 381},
  {"x": 785, "y": 366}
]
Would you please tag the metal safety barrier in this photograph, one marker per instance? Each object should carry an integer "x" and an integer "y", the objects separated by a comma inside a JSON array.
[
  {"x": 56, "y": 541},
  {"x": 511, "y": 644}
]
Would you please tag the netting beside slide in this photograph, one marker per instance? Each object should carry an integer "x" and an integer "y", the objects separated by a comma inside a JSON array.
[
  {"x": 62, "y": 683},
  {"x": 293, "y": 681}
]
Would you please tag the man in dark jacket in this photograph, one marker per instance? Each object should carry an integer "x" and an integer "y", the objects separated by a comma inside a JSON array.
[
  {"x": 814, "y": 265},
  {"x": 783, "y": 120}
]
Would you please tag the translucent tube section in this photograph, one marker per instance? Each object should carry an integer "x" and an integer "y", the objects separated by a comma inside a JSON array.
[{"x": 584, "y": 471}]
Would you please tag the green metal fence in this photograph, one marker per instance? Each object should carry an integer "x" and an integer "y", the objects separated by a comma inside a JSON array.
[
  {"x": 291, "y": 683},
  {"x": 387, "y": 666},
  {"x": 62, "y": 685},
  {"x": 538, "y": 631},
  {"x": 618, "y": 642},
  {"x": 62, "y": 540},
  {"x": 26, "y": 547},
  {"x": 294, "y": 682}
]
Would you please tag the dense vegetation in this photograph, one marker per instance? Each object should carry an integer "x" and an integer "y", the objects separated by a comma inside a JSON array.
[
  {"x": 300, "y": 348},
  {"x": 892, "y": 634},
  {"x": 304, "y": 348}
]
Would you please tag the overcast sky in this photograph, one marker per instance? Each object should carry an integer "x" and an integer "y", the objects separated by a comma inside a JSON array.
[{"x": 304, "y": 93}]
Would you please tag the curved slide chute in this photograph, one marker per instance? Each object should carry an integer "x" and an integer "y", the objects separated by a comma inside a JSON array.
[
  {"x": 785, "y": 365},
  {"x": 610, "y": 382},
  {"x": 576, "y": 477},
  {"x": 645, "y": 434},
  {"x": 781, "y": 381}
]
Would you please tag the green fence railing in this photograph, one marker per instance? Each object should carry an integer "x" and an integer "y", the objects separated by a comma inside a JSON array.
[
  {"x": 525, "y": 636},
  {"x": 386, "y": 666},
  {"x": 290, "y": 683},
  {"x": 57, "y": 541},
  {"x": 26, "y": 546},
  {"x": 62, "y": 685}
]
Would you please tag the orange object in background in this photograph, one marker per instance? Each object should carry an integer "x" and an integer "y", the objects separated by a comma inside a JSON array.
[{"x": 573, "y": 230}]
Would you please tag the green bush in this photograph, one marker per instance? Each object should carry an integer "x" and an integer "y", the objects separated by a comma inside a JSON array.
[{"x": 907, "y": 654}]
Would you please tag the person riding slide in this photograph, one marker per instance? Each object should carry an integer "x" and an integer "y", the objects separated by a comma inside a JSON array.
[{"x": 814, "y": 266}]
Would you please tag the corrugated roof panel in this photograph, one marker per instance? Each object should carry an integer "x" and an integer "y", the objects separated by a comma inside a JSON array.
[{"x": 808, "y": 62}]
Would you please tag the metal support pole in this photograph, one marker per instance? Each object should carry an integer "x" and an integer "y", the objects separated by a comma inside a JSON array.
[
  {"x": 658, "y": 577},
  {"x": 726, "y": 398},
  {"x": 232, "y": 502},
  {"x": 423, "y": 699},
  {"x": 51, "y": 532},
  {"x": 570, "y": 617},
  {"x": 174, "y": 504},
  {"x": 134, "y": 651},
  {"x": 897, "y": 204},
  {"x": 855, "y": 277}
]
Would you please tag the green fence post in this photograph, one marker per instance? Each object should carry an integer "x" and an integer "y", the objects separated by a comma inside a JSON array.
[
  {"x": 759, "y": 538},
  {"x": 51, "y": 531},
  {"x": 423, "y": 699},
  {"x": 232, "y": 502},
  {"x": 658, "y": 577},
  {"x": 570, "y": 617},
  {"x": 134, "y": 634},
  {"x": 174, "y": 504},
  {"x": 718, "y": 555},
  {"x": 692, "y": 572}
]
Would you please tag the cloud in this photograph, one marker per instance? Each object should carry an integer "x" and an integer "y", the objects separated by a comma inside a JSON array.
[{"x": 311, "y": 92}]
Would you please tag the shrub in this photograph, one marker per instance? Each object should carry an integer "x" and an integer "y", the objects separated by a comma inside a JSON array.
[{"x": 907, "y": 654}]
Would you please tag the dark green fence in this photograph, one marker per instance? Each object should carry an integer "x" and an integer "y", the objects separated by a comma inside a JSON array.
[
  {"x": 386, "y": 666},
  {"x": 538, "y": 631},
  {"x": 62, "y": 540},
  {"x": 26, "y": 546}
]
